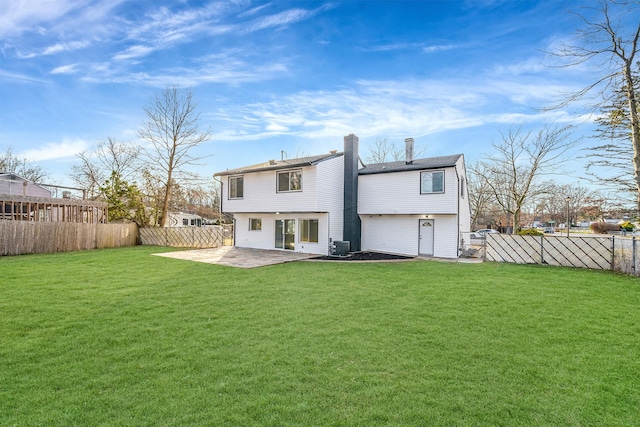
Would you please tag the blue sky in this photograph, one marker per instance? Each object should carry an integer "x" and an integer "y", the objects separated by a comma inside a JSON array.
[{"x": 283, "y": 75}]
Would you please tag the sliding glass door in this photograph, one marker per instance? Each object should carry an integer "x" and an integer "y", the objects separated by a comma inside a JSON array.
[{"x": 285, "y": 233}]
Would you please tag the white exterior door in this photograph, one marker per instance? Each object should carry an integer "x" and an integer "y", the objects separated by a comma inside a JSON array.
[{"x": 426, "y": 237}]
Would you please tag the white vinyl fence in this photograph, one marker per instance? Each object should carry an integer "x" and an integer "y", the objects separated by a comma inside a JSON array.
[{"x": 596, "y": 252}]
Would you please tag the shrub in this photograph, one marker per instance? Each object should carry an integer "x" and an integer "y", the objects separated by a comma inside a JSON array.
[
  {"x": 603, "y": 227},
  {"x": 627, "y": 226},
  {"x": 530, "y": 232}
]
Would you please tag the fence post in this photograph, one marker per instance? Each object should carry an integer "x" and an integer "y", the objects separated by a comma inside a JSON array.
[
  {"x": 542, "y": 250},
  {"x": 484, "y": 249},
  {"x": 613, "y": 253},
  {"x": 633, "y": 255}
]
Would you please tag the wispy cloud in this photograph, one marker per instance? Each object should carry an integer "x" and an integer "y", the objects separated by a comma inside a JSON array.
[
  {"x": 65, "y": 69},
  {"x": 55, "y": 49},
  {"x": 64, "y": 47},
  {"x": 426, "y": 48},
  {"x": 439, "y": 48},
  {"x": 134, "y": 52},
  {"x": 19, "y": 77},
  {"x": 56, "y": 150},
  {"x": 277, "y": 20},
  {"x": 17, "y": 16},
  {"x": 396, "y": 108},
  {"x": 392, "y": 47},
  {"x": 253, "y": 11},
  {"x": 229, "y": 67}
]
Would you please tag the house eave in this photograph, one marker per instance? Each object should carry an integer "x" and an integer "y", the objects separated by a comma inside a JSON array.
[
  {"x": 417, "y": 165},
  {"x": 280, "y": 165}
]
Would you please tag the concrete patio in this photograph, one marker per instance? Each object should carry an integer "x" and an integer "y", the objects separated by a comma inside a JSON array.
[{"x": 233, "y": 256}]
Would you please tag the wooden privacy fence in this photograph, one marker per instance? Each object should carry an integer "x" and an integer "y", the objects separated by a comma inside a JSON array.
[
  {"x": 187, "y": 237},
  {"x": 30, "y": 237},
  {"x": 595, "y": 252}
]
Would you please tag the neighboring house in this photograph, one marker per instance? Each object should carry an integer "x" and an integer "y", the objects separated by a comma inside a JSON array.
[
  {"x": 415, "y": 207},
  {"x": 12, "y": 184},
  {"x": 23, "y": 200},
  {"x": 181, "y": 219}
]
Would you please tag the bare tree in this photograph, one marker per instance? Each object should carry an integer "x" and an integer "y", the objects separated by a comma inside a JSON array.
[
  {"x": 614, "y": 42},
  {"x": 514, "y": 173},
  {"x": 110, "y": 156},
  {"x": 480, "y": 194},
  {"x": 558, "y": 207},
  {"x": 10, "y": 162},
  {"x": 172, "y": 131},
  {"x": 608, "y": 161},
  {"x": 384, "y": 151}
]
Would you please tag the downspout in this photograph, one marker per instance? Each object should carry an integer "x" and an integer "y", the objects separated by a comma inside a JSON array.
[
  {"x": 329, "y": 232},
  {"x": 460, "y": 240}
]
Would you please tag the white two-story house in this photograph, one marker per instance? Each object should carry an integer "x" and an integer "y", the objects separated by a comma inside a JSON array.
[{"x": 415, "y": 207}]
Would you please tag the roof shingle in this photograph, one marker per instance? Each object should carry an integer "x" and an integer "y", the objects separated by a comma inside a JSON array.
[
  {"x": 418, "y": 164},
  {"x": 279, "y": 164}
]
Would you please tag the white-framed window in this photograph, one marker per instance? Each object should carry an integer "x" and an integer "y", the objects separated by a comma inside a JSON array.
[
  {"x": 255, "y": 224},
  {"x": 185, "y": 221},
  {"x": 289, "y": 180},
  {"x": 236, "y": 187},
  {"x": 308, "y": 230},
  {"x": 432, "y": 182}
]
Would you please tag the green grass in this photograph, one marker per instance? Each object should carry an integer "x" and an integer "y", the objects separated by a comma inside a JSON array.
[{"x": 120, "y": 338}]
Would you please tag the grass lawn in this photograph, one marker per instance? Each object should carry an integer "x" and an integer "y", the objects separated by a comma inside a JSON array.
[{"x": 121, "y": 338}]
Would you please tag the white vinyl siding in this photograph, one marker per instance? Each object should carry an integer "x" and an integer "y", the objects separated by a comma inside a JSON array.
[
  {"x": 330, "y": 193},
  {"x": 464, "y": 208},
  {"x": 323, "y": 192},
  {"x": 266, "y": 238},
  {"x": 399, "y": 193},
  {"x": 400, "y": 234},
  {"x": 260, "y": 194}
]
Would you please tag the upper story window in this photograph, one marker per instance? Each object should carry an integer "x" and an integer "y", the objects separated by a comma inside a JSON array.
[
  {"x": 432, "y": 182},
  {"x": 236, "y": 187},
  {"x": 290, "y": 180}
]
